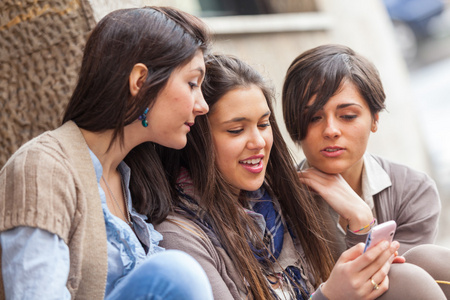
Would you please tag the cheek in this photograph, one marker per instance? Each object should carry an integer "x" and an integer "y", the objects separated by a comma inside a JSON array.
[
  {"x": 269, "y": 141},
  {"x": 225, "y": 153},
  {"x": 306, "y": 145}
]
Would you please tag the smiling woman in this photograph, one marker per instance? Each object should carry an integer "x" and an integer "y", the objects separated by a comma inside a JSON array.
[
  {"x": 242, "y": 137},
  {"x": 234, "y": 156},
  {"x": 243, "y": 213}
]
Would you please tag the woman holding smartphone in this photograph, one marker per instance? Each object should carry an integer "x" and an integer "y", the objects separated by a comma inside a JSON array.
[{"x": 271, "y": 248}]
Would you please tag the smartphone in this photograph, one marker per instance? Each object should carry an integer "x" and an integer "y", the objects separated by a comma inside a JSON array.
[{"x": 382, "y": 232}]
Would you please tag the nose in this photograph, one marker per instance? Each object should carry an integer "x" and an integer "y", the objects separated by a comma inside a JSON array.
[
  {"x": 331, "y": 129},
  {"x": 256, "y": 141},
  {"x": 200, "y": 105}
]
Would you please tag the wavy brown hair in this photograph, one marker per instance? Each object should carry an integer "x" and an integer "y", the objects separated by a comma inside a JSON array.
[
  {"x": 224, "y": 209},
  {"x": 161, "y": 38}
]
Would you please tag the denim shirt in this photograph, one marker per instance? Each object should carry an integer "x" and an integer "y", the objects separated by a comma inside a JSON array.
[{"x": 48, "y": 281}]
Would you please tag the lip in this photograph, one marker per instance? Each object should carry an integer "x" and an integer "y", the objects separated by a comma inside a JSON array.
[
  {"x": 257, "y": 168},
  {"x": 336, "y": 151},
  {"x": 189, "y": 125}
]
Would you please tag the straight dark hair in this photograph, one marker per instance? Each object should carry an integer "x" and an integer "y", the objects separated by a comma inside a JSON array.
[
  {"x": 161, "y": 38},
  {"x": 223, "y": 209},
  {"x": 320, "y": 72}
]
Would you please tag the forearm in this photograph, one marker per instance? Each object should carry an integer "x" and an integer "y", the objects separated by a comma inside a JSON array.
[{"x": 35, "y": 264}]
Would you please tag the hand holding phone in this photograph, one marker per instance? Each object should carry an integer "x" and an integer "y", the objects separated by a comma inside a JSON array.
[{"x": 381, "y": 232}]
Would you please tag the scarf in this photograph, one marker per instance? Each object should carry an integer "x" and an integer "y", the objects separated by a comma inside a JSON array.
[{"x": 273, "y": 238}]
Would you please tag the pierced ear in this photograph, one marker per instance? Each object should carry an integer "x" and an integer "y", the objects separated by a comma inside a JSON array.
[
  {"x": 375, "y": 123},
  {"x": 137, "y": 78}
]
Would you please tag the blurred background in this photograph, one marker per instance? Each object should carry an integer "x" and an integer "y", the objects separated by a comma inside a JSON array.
[{"x": 408, "y": 41}]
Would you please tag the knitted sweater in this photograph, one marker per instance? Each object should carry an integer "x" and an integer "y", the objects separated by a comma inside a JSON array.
[{"x": 50, "y": 183}]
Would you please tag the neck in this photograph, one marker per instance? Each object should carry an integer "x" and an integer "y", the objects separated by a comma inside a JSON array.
[
  {"x": 353, "y": 176},
  {"x": 99, "y": 142}
]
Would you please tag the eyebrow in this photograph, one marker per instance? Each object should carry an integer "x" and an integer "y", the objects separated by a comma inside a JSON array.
[
  {"x": 240, "y": 119},
  {"x": 340, "y": 106},
  {"x": 200, "y": 69}
]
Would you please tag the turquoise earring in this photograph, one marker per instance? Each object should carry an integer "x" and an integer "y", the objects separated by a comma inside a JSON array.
[{"x": 143, "y": 118}]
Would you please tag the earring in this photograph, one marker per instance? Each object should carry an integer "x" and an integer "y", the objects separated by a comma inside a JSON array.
[
  {"x": 374, "y": 127},
  {"x": 143, "y": 118}
]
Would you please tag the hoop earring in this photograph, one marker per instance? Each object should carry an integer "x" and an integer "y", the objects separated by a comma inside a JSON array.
[{"x": 143, "y": 118}]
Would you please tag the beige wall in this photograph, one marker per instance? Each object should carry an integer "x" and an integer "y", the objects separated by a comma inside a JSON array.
[
  {"x": 363, "y": 26},
  {"x": 271, "y": 42}
]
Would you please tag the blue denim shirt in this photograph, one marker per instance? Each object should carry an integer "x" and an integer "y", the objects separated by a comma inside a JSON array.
[{"x": 29, "y": 274}]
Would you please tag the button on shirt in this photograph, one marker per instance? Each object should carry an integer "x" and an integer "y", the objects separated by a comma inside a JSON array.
[{"x": 125, "y": 251}]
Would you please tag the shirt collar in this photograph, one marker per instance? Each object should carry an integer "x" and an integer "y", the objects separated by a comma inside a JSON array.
[{"x": 374, "y": 179}]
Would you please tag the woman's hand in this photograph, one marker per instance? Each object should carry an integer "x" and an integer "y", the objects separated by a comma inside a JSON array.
[
  {"x": 340, "y": 196},
  {"x": 359, "y": 275}
]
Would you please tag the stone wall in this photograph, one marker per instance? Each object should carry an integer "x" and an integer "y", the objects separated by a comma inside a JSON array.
[{"x": 40, "y": 54}]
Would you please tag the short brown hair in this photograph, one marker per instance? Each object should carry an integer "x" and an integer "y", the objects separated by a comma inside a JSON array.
[{"x": 320, "y": 72}]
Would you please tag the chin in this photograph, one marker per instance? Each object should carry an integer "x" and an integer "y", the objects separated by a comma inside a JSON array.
[
  {"x": 253, "y": 186},
  {"x": 331, "y": 170},
  {"x": 177, "y": 145}
]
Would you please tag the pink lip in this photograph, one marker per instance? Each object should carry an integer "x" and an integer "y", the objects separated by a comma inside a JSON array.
[
  {"x": 337, "y": 151},
  {"x": 189, "y": 125},
  {"x": 253, "y": 168}
]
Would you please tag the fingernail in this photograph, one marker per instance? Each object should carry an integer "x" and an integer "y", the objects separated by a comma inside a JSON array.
[
  {"x": 385, "y": 245},
  {"x": 395, "y": 245}
]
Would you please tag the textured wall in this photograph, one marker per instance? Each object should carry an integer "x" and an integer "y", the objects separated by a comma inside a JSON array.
[{"x": 40, "y": 54}]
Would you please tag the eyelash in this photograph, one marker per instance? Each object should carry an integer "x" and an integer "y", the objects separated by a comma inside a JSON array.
[
  {"x": 345, "y": 117},
  {"x": 193, "y": 85},
  {"x": 240, "y": 130},
  {"x": 235, "y": 131},
  {"x": 349, "y": 117}
]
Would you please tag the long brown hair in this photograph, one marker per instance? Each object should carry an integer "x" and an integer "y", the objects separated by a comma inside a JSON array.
[
  {"x": 161, "y": 38},
  {"x": 223, "y": 209}
]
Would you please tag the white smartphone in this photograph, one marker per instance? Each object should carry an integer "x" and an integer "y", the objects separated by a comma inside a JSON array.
[{"x": 382, "y": 232}]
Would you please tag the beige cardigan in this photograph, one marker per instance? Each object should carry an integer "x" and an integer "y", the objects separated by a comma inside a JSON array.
[{"x": 50, "y": 183}]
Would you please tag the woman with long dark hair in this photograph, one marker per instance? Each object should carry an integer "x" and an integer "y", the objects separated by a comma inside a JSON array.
[
  {"x": 242, "y": 212},
  {"x": 77, "y": 202}
]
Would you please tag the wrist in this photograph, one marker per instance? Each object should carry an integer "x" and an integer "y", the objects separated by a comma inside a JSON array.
[
  {"x": 362, "y": 220},
  {"x": 321, "y": 290},
  {"x": 364, "y": 228}
]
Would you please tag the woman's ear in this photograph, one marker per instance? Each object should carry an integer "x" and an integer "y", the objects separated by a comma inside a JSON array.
[
  {"x": 137, "y": 78},
  {"x": 375, "y": 122}
]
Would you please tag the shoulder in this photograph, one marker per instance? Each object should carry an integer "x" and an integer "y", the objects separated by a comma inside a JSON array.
[
  {"x": 410, "y": 189},
  {"x": 41, "y": 163},
  {"x": 183, "y": 234},
  {"x": 399, "y": 172},
  {"x": 176, "y": 225},
  {"x": 49, "y": 147},
  {"x": 39, "y": 186}
]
